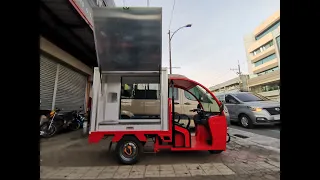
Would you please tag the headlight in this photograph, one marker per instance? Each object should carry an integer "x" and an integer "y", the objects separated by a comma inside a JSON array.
[{"x": 255, "y": 109}]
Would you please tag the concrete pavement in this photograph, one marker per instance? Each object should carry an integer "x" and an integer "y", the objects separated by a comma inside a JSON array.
[
  {"x": 246, "y": 138},
  {"x": 76, "y": 159}
]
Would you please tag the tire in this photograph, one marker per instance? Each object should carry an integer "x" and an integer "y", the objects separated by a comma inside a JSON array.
[
  {"x": 228, "y": 138},
  {"x": 48, "y": 134},
  {"x": 123, "y": 152},
  {"x": 75, "y": 125},
  {"x": 215, "y": 151},
  {"x": 245, "y": 121}
]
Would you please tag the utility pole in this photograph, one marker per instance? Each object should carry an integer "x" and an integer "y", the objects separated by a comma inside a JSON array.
[
  {"x": 170, "y": 38},
  {"x": 170, "y": 63},
  {"x": 238, "y": 72}
]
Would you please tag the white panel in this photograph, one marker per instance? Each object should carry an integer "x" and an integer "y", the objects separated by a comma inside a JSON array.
[
  {"x": 119, "y": 127},
  {"x": 112, "y": 109},
  {"x": 95, "y": 93},
  {"x": 164, "y": 99},
  {"x": 101, "y": 102}
]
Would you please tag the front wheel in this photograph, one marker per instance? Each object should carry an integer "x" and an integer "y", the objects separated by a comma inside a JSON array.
[
  {"x": 129, "y": 150},
  {"x": 245, "y": 121},
  {"x": 47, "y": 133}
]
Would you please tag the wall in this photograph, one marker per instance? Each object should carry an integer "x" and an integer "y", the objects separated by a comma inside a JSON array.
[{"x": 62, "y": 55}]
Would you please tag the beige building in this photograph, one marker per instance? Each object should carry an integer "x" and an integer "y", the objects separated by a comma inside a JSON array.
[
  {"x": 263, "y": 56},
  {"x": 236, "y": 84}
]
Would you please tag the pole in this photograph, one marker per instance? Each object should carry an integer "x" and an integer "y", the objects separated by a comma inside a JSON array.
[
  {"x": 239, "y": 68},
  {"x": 170, "y": 64}
]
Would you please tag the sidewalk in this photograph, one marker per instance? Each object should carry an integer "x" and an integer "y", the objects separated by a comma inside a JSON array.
[{"x": 79, "y": 160}]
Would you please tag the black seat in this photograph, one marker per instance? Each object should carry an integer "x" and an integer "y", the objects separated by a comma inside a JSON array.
[{"x": 182, "y": 124}]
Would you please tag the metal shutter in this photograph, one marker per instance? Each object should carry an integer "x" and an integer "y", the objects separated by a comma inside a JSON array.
[
  {"x": 71, "y": 89},
  {"x": 48, "y": 70}
]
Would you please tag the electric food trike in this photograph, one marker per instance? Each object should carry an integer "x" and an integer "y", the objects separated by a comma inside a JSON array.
[
  {"x": 130, "y": 55},
  {"x": 166, "y": 133}
]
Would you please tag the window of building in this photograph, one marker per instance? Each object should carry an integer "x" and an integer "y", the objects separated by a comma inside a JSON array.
[
  {"x": 266, "y": 87},
  {"x": 268, "y": 71},
  {"x": 262, "y": 48},
  {"x": 264, "y": 60},
  {"x": 268, "y": 30}
]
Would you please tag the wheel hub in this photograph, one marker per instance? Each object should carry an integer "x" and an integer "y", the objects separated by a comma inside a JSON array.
[
  {"x": 129, "y": 151},
  {"x": 244, "y": 121}
]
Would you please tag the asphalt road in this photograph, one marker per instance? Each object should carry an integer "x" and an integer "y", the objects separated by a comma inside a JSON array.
[{"x": 270, "y": 131}]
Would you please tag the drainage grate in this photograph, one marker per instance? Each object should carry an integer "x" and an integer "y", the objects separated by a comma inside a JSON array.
[{"x": 241, "y": 136}]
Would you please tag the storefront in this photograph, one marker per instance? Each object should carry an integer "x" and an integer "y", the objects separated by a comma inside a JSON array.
[{"x": 61, "y": 86}]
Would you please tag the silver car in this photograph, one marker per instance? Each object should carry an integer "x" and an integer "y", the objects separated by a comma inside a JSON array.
[{"x": 249, "y": 109}]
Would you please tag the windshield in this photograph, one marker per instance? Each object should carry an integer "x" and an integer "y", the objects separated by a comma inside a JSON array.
[
  {"x": 248, "y": 97},
  {"x": 207, "y": 101}
]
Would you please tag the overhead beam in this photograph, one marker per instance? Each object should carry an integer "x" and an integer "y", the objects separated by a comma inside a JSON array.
[
  {"x": 59, "y": 40},
  {"x": 61, "y": 23}
]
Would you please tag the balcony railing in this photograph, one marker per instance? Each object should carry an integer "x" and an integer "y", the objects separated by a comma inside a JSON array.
[{"x": 266, "y": 78}]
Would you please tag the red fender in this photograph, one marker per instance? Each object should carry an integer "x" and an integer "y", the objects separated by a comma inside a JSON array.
[{"x": 140, "y": 136}]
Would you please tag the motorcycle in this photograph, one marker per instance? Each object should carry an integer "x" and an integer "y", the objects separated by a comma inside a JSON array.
[
  {"x": 77, "y": 120},
  {"x": 48, "y": 127}
]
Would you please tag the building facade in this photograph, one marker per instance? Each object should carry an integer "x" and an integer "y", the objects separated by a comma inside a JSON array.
[
  {"x": 67, "y": 53},
  {"x": 263, "y": 57},
  {"x": 236, "y": 84}
]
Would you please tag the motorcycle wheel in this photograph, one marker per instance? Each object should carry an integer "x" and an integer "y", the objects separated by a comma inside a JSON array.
[
  {"x": 48, "y": 132},
  {"x": 75, "y": 125}
]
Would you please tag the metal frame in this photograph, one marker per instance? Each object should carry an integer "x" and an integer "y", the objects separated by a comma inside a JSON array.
[
  {"x": 106, "y": 112},
  {"x": 81, "y": 50}
]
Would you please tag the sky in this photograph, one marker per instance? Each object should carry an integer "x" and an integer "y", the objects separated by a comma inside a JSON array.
[{"x": 214, "y": 44}]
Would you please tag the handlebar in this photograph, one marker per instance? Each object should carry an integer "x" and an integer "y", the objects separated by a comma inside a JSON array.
[{"x": 198, "y": 110}]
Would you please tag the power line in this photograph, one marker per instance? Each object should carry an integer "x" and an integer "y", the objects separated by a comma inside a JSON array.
[
  {"x": 148, "y": 3},
  {"x": 174, "y": 3}
]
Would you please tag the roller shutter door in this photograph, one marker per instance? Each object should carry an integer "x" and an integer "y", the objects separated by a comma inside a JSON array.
[
  {"x": 48, "y": 70},
  {"x": 70, "y": 90}
]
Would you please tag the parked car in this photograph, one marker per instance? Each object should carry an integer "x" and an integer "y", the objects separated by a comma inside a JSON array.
[{"x": 250, "y": 109}]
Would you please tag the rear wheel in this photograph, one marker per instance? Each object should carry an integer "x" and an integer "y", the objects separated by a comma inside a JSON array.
[
  {"x": 75, "y": 125},
  {"x": 129, "y": 150}
]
